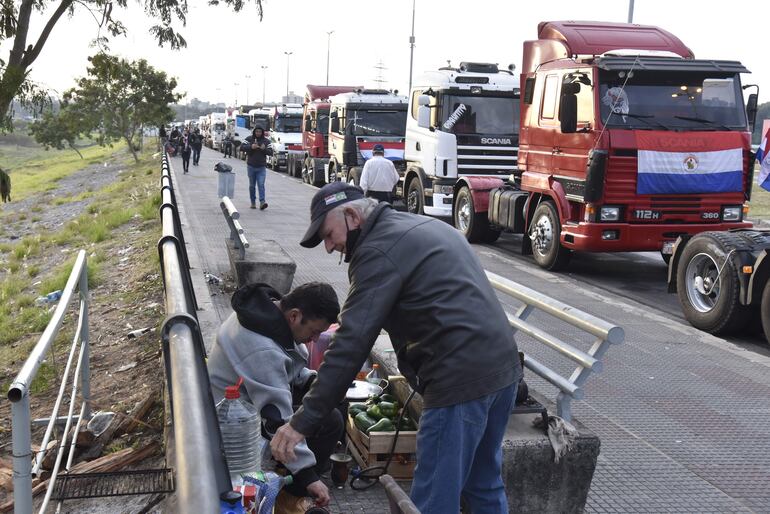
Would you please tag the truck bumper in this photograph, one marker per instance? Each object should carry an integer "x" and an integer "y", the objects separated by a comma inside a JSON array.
[
  {"x": 625, "y": 237},
  {"x": 442, "y": 206}
]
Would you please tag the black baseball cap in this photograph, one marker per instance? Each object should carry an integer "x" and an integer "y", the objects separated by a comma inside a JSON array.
[
  {"x": 326, "y": 199},
  {"x": 378, "y": 148}
]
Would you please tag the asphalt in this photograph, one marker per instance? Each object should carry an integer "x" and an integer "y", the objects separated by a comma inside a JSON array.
[{"x": 682, "y": 415}]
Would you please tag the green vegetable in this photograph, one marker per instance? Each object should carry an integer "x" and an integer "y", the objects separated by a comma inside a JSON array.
[
  {"x": 373, "y": 399},
  {"x": 383, "y": 425},
  {"x": 374, "y": 412},
  {"x": 388, "y": 398},
  {"x": 388, "y": 409},
  {"x": 407, "y": 423},
  {"x": 355, "y": 408},
  {"x": 363, "y": 422}
]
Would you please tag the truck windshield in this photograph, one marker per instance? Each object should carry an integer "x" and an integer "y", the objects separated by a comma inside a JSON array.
[
  {"x": 288, "y": 124},
  {"x": 372, "y": 122},
  {"x": 323, "y": 121},
  {"x": 261, "y": 122},
  {"x": 672, "y": 100},
  {"x": 219, "y": 126},
  {"x": 480, "y": 114}
]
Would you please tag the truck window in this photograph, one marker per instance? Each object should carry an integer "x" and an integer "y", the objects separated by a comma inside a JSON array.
[
  {"x": 551, "y": 88},
  {"x": 375, "y": 122},
  {"x": 585, "y": 95},
  {"x": 480, "y": 114}
]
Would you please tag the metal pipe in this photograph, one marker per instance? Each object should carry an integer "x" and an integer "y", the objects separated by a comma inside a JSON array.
[
  {"x": 630, "y": 11},
  {"x": 201, "y": 470},
  {"x": 21, "y": 434},
  {"x": 554, "y": 378},
  {"x": 85, "y": 376},
  {"x": 227, "y": 204},
  {"x": 411, "y": 50}
]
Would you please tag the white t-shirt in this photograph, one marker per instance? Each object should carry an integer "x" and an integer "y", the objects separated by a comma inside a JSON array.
[{"x": 379, "y": 174}]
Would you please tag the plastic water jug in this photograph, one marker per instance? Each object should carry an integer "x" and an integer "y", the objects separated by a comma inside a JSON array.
[{"x": 239, "y": 424}]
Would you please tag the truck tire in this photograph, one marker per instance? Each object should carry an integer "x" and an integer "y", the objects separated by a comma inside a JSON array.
[
  {"x": 415, "y": 197},
  {"x": 306, "y": 171},
  {"x": 316, "y": 173},
  {"x": 764, "y": 310},
  {"x": 544, "y": 232},
  {"x": 473, "y": 225},
  {"x": 709, "y": 298}
]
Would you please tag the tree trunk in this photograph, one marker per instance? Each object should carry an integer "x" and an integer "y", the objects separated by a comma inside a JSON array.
[
  {"x": 10, "y": 82},
  {"x": 130, "y": 141},
  {"x": 76, "y": 151}
]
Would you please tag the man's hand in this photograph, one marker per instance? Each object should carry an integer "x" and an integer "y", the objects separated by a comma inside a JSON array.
[
  {"x": 283, "y": 443},
  {"x": 254, "y": 146},
  {"x": 320, "y": 492}
]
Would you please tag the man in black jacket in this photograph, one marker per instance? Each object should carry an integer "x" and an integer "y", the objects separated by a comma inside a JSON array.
[
  {"x": 257, "y": 147},
  {"x": 419, "y": 279},
  {"x": 196, "y": 143}
]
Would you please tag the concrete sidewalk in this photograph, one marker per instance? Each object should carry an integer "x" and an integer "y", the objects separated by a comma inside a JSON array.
[{"x": 682, "y": 415}]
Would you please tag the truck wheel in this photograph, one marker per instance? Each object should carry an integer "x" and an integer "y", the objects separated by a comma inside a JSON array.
[
  {"x": 764, "y": 310},
  {"x": 306, "y": 171},
  {"x": 316, "y": 174},
  {"x": 415, "y": 198},
  {"x": 709, "y": 297},
  {"x": 544, "y": 233},
  {"x": 473, "y": 225}
]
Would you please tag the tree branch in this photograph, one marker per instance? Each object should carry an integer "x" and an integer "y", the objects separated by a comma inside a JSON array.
[
  {"x": 22, "y": 29},
  {"x": 31, "y": 55}
]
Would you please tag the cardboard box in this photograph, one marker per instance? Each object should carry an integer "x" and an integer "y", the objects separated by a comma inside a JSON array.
[{"x": 372, "y": 449}]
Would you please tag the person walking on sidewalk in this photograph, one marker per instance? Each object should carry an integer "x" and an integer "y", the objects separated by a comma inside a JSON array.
[
  {"x": 420, "y": 280},
  {"x": 263, "y": 342},
  {"x": 379, "y": 176},
  {"x": 257, "y": 148},
  {"x": 196, "y": 142},
  {"x": 186, "y": 150}
]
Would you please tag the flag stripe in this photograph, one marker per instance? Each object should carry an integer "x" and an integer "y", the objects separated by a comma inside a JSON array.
[
  {"x": 668, "y": 183},
  {"x": 665, "y": 141},
  {"x": 674, "y": 162}
]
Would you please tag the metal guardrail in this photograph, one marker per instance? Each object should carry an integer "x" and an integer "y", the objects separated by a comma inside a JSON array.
[
  {"x": 201, "y": 470},
  {"x": 587, "y": 362},
  {"x": 236, "y": 230},
  {"x": 18, "y": 394}
]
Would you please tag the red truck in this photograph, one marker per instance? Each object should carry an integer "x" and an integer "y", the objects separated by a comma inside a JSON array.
[
  {"x": 310, "y": 162},
  {"x": 627, "y": 142}
]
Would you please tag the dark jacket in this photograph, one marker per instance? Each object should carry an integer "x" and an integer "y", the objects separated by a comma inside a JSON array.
[
  {"x": 196, "y": 141},
  {"x": 257, "y": 158},
  {"x": 419, "y": 279}
]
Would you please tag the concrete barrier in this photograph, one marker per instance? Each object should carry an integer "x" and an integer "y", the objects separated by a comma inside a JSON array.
[
  {"x": 263, "y": 261},
  {"x": 533, "y": 481}
]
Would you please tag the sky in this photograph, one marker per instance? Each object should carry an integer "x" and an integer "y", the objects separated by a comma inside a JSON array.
[{"x": 226, "y": 51}]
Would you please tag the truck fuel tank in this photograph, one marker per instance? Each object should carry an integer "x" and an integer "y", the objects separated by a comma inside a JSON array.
[{"x": 506, "y": 208}]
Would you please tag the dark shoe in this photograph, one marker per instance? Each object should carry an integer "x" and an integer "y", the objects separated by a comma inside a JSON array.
[
  {"x": 253, "y": 206},
  {"x": 263, "y": 206}
]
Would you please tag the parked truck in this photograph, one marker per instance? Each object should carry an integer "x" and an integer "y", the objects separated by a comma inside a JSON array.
[
  {"x": 239, "y": 126},
  {"x": 285, "y": 133},
  {"x": 214, "y": 129},
  {"x": 359, "y": 120},
  {"x": 627, "y": 143},
  {"x": 310, "y": 162},
  {"x": 462, "y": 122}
]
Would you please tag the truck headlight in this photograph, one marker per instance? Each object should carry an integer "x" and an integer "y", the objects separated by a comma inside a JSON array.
[
  {"x": 444, "y": 190},
  {"x": 609, "y": 213},
  {"x": 732, "y": 213}
]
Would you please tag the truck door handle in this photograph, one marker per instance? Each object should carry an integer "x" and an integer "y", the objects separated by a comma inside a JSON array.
[
  {"x": 417, "y": 146},
  {"x": 556, "y": 149}
]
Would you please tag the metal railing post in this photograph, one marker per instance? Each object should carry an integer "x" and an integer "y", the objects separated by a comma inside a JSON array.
[
  {"x": 85, "y": 376},
  {"x": 22, "y": 456}
]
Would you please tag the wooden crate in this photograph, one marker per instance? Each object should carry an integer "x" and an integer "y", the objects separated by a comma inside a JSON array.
[{"x": 372, "y": 450}]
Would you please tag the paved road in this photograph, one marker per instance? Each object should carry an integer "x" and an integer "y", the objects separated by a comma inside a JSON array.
[{"x": 682, "y": 415}]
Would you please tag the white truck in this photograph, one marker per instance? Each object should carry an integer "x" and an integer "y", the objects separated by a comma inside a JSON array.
[
  {"x": 239, "y": 127},
  {"x": 462, "y": 121},
  {"x": 285, "y": 124},
  {"x": 215, "y": 129}
]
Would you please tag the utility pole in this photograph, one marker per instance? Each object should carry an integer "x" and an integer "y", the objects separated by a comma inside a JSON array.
[
  {"x": 630, "y": 11},
  {"x": 328, "y": 43},
  {"x": 411, "y": 49},
  {"x": 288, "y": 55},
  {"x": 263, "y": 83},
  {"x": 235, "y": 87},
  {"x": 379, "y": 80},
  {"x": 247, "y": 89}
]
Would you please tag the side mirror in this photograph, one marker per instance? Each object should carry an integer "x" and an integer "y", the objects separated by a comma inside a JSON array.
[
  {"x": 423, "y": 116},
  {"x": 423, "y": 100},
  {"x": 568, "y": 107},
  {"x": 751, "y": 110},
  {"x": 308, "y": 125},
  {"x": 335, "y": 124},
  {"x": 334, "y": 114}
]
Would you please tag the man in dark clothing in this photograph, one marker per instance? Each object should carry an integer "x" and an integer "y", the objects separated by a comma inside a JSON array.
[
  {"x": 174, "y": 138},
  {"x": 196, "y": 142},
  {"x": 186, "y": 149},
  {"x": 263, "y": 342},
  {"x": 419, "y": 279},
  {"x": 257, "y": 148}
]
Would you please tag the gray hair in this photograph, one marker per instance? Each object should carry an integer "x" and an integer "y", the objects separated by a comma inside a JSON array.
[{"x": 363, "y": 206}]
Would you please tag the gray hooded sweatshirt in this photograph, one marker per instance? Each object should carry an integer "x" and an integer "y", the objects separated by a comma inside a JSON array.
[{"x": 256, "y": 343}]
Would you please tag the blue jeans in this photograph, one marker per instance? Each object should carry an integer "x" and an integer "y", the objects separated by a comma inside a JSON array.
[
  {"x": 257, "y": 176},
  {"x": 459, "y": 452}
]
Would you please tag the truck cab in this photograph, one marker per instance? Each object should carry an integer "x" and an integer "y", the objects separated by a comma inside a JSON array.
[
  {"x": 216, "y": 129},
  {"x": 462, "y": 122},
  {"x": 285, "y": 134},
  {"x": 359, "y": 120},
  {"x": 239, "y": 126},
  {"x": 628, "y": 141}
]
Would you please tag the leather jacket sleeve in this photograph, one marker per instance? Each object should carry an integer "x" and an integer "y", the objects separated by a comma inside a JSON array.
[{"x": 375, "y": 284}]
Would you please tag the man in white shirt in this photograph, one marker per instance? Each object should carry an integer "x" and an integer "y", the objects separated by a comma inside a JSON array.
[{"x": 379, "y": 176}]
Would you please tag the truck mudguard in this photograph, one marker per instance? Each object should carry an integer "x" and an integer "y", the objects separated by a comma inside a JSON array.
[
  {"x": 479, "y": 188},
  {"x": 759, "y": 277}
]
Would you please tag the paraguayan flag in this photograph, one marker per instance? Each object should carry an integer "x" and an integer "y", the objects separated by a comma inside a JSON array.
[{"x": 763, "y": 179}]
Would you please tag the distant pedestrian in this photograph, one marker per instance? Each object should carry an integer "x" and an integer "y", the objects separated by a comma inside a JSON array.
[
  {"x": 227, "y": 144},
  {"x": 257, "y": 147},
  {"x": 186, "y": 150},
  {"x": 196, "y": 142},
  {"x": 379, "y": 176}
]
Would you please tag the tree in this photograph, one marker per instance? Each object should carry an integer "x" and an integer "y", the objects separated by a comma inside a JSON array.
[
  {"x": 58, "y": 131},
  {"x": 16, "y": 16},
  {"x": 118, "y": 98}
]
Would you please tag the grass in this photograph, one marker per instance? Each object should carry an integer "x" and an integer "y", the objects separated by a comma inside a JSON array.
[{"x": 759, "y": 207}]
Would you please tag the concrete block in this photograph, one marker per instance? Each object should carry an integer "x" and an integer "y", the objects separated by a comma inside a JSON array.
[
  {"x": 533, "y": 481},
  {"x": 265, "y": 261}
]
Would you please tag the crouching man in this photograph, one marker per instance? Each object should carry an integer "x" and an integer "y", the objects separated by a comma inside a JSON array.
[{"x": 262, "y": 341}]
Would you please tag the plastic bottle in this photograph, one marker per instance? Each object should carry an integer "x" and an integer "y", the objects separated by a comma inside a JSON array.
[
  {"x": 230, "y": 503},
  {"x": 269, "y": 485},
  {"x": 239, "y": 424},
  {"x": 374, "y": 375}
]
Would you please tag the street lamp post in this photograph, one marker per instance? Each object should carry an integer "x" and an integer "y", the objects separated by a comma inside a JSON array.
[
  {"x": 235, "y": 87},
  {"x": 411, "y": 49},
  {"x": 328, "y": 43},
  {"x": 263, "y": 83},
  {"x": 288, "y": 54},
  {"x": 247, "y": 89},
  {"x": 630, "y": 11}
]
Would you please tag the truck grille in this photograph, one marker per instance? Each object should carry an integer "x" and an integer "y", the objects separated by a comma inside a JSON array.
[{"x": 486, "y": 160}]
